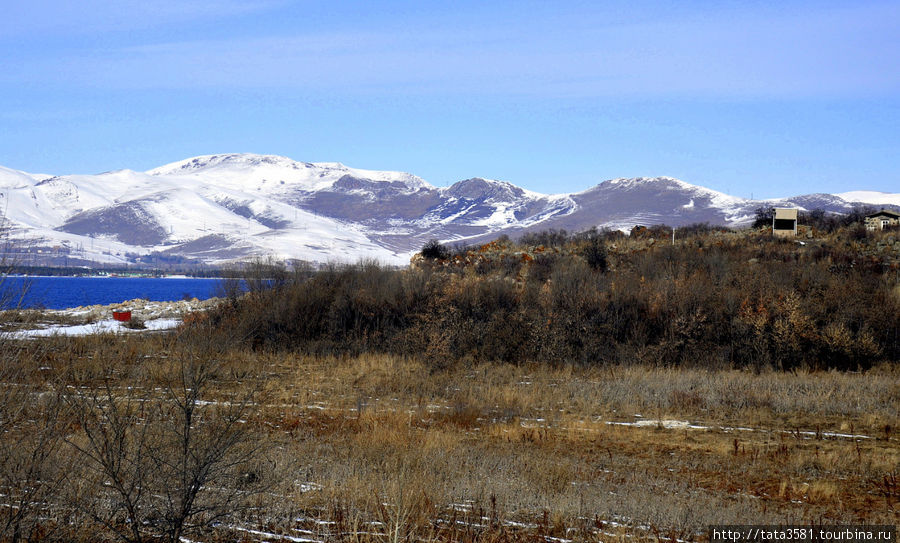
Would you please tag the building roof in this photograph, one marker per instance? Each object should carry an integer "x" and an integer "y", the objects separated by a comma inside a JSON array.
[
  {"x": 884, "y": 212},
  {"x": 785, "y": 213}
]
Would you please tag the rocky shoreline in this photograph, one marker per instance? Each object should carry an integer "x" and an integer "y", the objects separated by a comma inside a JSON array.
[{"x": 140, "y": 309}]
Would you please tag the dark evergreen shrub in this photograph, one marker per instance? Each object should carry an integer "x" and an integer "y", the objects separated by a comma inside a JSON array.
[{"x": 435, "y": 251}]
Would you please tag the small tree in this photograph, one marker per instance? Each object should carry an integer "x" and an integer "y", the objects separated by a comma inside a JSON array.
[
  {"x": 857, "y": 215},
  {"x": 763, "y": 217},
  {"x": 265, "y": 274},
  {"x": 434, "y": 250}
]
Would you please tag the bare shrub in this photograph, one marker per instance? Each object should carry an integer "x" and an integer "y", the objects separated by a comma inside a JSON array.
[
  {"x": 12, "y": 296},
  {"x": 162, "y": 466},
  {"x": 541, "y": 267},
  {"x": 32, "y": 465},
  {"x": 135, "y": 323},
  {"x": 546, "y": 238}
]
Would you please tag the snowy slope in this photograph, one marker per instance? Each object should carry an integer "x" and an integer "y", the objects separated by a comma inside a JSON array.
[
  {"x": 871, "y": 197},
  {"x": 493, "y": 204},
  {"x": 273, "y": 174},
  {"x": 133, "y": 212}
]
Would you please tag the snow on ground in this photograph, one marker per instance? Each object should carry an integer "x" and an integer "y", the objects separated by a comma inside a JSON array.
[
  {"x": 107, "y": 326},
  {"x": 669, "y": 424}
]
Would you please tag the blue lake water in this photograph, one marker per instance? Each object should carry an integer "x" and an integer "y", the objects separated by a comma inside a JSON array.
[{"x": 63, "y": 292}]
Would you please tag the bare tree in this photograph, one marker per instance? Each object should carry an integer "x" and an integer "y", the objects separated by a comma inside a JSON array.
[
  {"x": 113, "y": 447},
  {"x": 167, "y": 463},
  {"x": 13, "y": 291},
  {"x": 204, "y": 452}
]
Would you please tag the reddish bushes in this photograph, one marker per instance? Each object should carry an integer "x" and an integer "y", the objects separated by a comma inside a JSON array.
[{"x": 713, "y": 300}]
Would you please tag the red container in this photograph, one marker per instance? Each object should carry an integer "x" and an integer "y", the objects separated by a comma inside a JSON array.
[{"x": 123, "y": 316}]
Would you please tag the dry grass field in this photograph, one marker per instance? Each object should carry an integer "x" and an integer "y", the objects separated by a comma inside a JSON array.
[
  {"x": 379, "y": 447},
  {"x": 583, "y": 454}
]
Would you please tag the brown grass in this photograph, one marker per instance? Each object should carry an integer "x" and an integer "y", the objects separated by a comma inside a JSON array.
[
  {"x": 384, "y": 445},
  {"x": 537, "y": 439}
]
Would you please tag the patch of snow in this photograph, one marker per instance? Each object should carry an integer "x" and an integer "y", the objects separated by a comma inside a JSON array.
[
  {"x": 665, "y": 423},
  {"x": 101, "y": 327},
  {"x": 308, "y": 487},
  {"x": 272, "y": 535},
  {"x": 681, "y": 424}
]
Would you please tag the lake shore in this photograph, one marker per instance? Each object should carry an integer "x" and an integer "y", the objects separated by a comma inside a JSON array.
[{"x": 146, "y": 315}]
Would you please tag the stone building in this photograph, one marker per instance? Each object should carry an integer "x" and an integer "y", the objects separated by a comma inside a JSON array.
[{"x": 883, "y": 219}]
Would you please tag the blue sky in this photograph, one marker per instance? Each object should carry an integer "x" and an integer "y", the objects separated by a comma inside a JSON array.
[{"x": 763, "y": 98}]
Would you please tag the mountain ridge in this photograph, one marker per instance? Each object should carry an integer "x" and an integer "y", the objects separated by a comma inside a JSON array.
[{"x": 215, "y": 209}]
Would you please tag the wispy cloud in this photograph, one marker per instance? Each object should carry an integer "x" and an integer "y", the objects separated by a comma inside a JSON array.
[{"x": 805, "y": 53}]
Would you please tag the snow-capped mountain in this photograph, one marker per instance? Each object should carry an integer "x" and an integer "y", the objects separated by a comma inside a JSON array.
[{"x": 221, "y": 208}]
